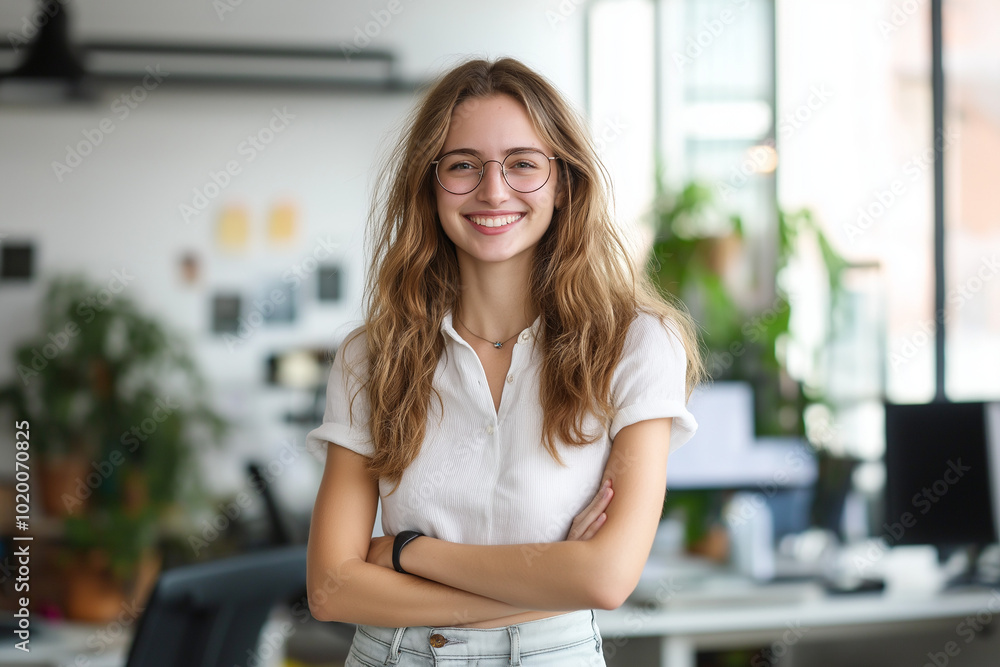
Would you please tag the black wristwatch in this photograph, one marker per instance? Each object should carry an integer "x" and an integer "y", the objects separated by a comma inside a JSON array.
[{"x": 401, "y": 541}]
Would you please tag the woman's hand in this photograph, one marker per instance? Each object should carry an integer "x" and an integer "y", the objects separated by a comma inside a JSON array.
[
  {"x": 586, "y": 524},
  {"x": 380, "y": 551}
]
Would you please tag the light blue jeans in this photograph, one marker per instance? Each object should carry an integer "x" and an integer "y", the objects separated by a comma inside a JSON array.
[{"x": 567, "y": 639}]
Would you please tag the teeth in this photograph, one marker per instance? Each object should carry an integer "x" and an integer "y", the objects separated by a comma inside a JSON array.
[{"x": 494, "y": 221}]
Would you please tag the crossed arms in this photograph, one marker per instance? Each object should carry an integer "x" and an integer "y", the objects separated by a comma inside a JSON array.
[{"x": 350, "y": 576}]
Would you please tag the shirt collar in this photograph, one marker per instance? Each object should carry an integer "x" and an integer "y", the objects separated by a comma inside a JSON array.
[{"x": 448, "y": 327}]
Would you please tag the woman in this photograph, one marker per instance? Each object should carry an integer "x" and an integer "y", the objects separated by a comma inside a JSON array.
[{"x": 511, "y": 370}]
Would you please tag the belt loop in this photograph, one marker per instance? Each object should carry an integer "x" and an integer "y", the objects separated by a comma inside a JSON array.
[
  {"x": 515, "y": 646},
  {"x": 397, "y": 639},
  {"x": 597, "y": 630}
]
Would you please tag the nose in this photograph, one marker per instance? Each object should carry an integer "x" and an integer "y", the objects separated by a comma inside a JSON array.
[{"x": 493, "y": 188}]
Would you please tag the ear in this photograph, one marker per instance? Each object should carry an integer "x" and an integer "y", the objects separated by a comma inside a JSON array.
[{"x": 561, "y": 197}]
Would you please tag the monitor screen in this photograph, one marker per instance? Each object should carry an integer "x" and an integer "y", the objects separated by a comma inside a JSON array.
[{"x": 941, "y": 483}]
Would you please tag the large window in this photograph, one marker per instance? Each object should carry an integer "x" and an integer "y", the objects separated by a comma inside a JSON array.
[
  {"x": 972, "y": 205},
  {"x": 683, "y": 90},
  {"x": 865, "y": 162},
  {"x": 829, "y": 104},
  {"x": 621, "y": 102}
]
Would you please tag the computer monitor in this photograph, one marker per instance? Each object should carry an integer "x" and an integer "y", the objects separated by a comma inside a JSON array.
[
  {"x": 725, "y": 453},
  {"x": 942, "y": 464}
]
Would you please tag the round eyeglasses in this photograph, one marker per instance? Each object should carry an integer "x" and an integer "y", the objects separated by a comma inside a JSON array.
[{"x": 524, "y": 170}]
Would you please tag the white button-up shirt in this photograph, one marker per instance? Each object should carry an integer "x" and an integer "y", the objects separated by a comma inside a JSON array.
[{"x": 483, "y": 476}]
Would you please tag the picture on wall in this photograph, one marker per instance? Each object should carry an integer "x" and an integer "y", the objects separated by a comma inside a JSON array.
[
  {"x": 225, "y": 313},
  {"x": 190, "y": 268},
  {"x": 277, "y": 302},
  {"x": 17, "y": 261},
  {"x": 329, "y": 282}
]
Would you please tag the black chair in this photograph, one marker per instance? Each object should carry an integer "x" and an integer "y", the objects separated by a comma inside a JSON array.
[
  {"x": 211, "y": 614},
  {"x": 282, "y": 527}
]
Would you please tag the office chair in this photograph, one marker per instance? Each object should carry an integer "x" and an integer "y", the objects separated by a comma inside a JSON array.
[
  {"x": 335, "y": 637},
  {"x": 211, "y": 614},
  {"x": 282, "y": 526}
]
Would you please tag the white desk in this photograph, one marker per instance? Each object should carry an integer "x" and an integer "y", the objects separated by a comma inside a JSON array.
[
  {"x": 904, "y": 628},
  {"x": 59, "y": 644},
  {"x": 76, "y": 644},
  {"x": 672, "y": 635}
]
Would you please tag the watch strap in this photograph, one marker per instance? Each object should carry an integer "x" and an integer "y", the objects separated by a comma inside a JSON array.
[{"x": 401, "y": 540}]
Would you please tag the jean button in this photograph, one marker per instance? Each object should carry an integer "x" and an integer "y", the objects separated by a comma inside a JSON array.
[{"x": 437, "y": 641}]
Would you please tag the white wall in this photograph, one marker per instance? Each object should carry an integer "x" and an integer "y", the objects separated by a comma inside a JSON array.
[{"x": 120, "y": 208}]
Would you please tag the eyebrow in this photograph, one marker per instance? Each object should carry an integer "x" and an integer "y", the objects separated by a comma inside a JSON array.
[{"x": 473, "y": 151}]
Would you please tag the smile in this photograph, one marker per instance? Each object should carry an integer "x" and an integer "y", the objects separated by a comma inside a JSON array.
[{"x": 494, "y": 220}]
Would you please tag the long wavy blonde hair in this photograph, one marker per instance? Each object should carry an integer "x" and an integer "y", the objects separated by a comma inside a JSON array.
[{"x": 582, "y": 280}]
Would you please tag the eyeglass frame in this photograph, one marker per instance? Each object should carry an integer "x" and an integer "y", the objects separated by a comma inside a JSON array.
[{"x": 503, "y": 171}]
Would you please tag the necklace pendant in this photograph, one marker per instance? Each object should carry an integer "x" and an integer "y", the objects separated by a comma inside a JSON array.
[{"x": 498, "y": 345}]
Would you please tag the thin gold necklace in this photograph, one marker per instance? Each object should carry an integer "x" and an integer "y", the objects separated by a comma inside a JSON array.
[{"x": 496, "y": 343}]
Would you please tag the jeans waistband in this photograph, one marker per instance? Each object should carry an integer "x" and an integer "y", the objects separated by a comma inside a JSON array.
[{"x": 518, "y": 639}]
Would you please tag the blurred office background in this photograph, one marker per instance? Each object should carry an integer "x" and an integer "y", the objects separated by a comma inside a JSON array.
[{"x": 207, "y": 175}]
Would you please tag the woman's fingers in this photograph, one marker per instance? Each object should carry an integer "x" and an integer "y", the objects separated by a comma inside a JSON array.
[
  {"x": 594, "y": 526},
  {"x": 586, "y": 524}
]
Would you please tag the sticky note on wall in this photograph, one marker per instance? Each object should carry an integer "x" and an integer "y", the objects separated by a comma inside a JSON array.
[
  {"x": 282, "y": 224},
  {"x": 233, "y": 229}
]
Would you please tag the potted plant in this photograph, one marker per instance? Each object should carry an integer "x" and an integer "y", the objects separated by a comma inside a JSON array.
[
  {"x": 695, "y": 249},
  {"x": 697, "y": 255},
  {"x": 117, "y": 408}
]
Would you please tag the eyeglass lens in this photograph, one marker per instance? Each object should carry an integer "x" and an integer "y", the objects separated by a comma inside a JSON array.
[{"x": 524, "y": 171}]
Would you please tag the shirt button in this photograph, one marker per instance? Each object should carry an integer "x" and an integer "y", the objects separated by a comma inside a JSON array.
[
  {"x": 525, "y": 336},
  {"x": 489, "y": 429},
  {"x": 437, "y": 641},
  {"x": 510, "y": 378}
]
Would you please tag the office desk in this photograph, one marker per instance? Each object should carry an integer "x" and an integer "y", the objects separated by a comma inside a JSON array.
[
  {"x": 882, "y": 630},
  {"x": 60, "y": 644},
  {"x": 75, "y": 644},
  {"x": 903, "y": 628}
]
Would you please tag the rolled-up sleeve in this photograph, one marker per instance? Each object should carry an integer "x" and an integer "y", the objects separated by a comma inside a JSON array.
[
  {"x": 345, "y": 424},
  {"x": 649, "y": 382}
]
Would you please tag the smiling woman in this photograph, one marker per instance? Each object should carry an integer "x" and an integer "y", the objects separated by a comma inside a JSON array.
[
  {"x": 514, "y": 374},
  {"x": 494, "y": 215}
]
